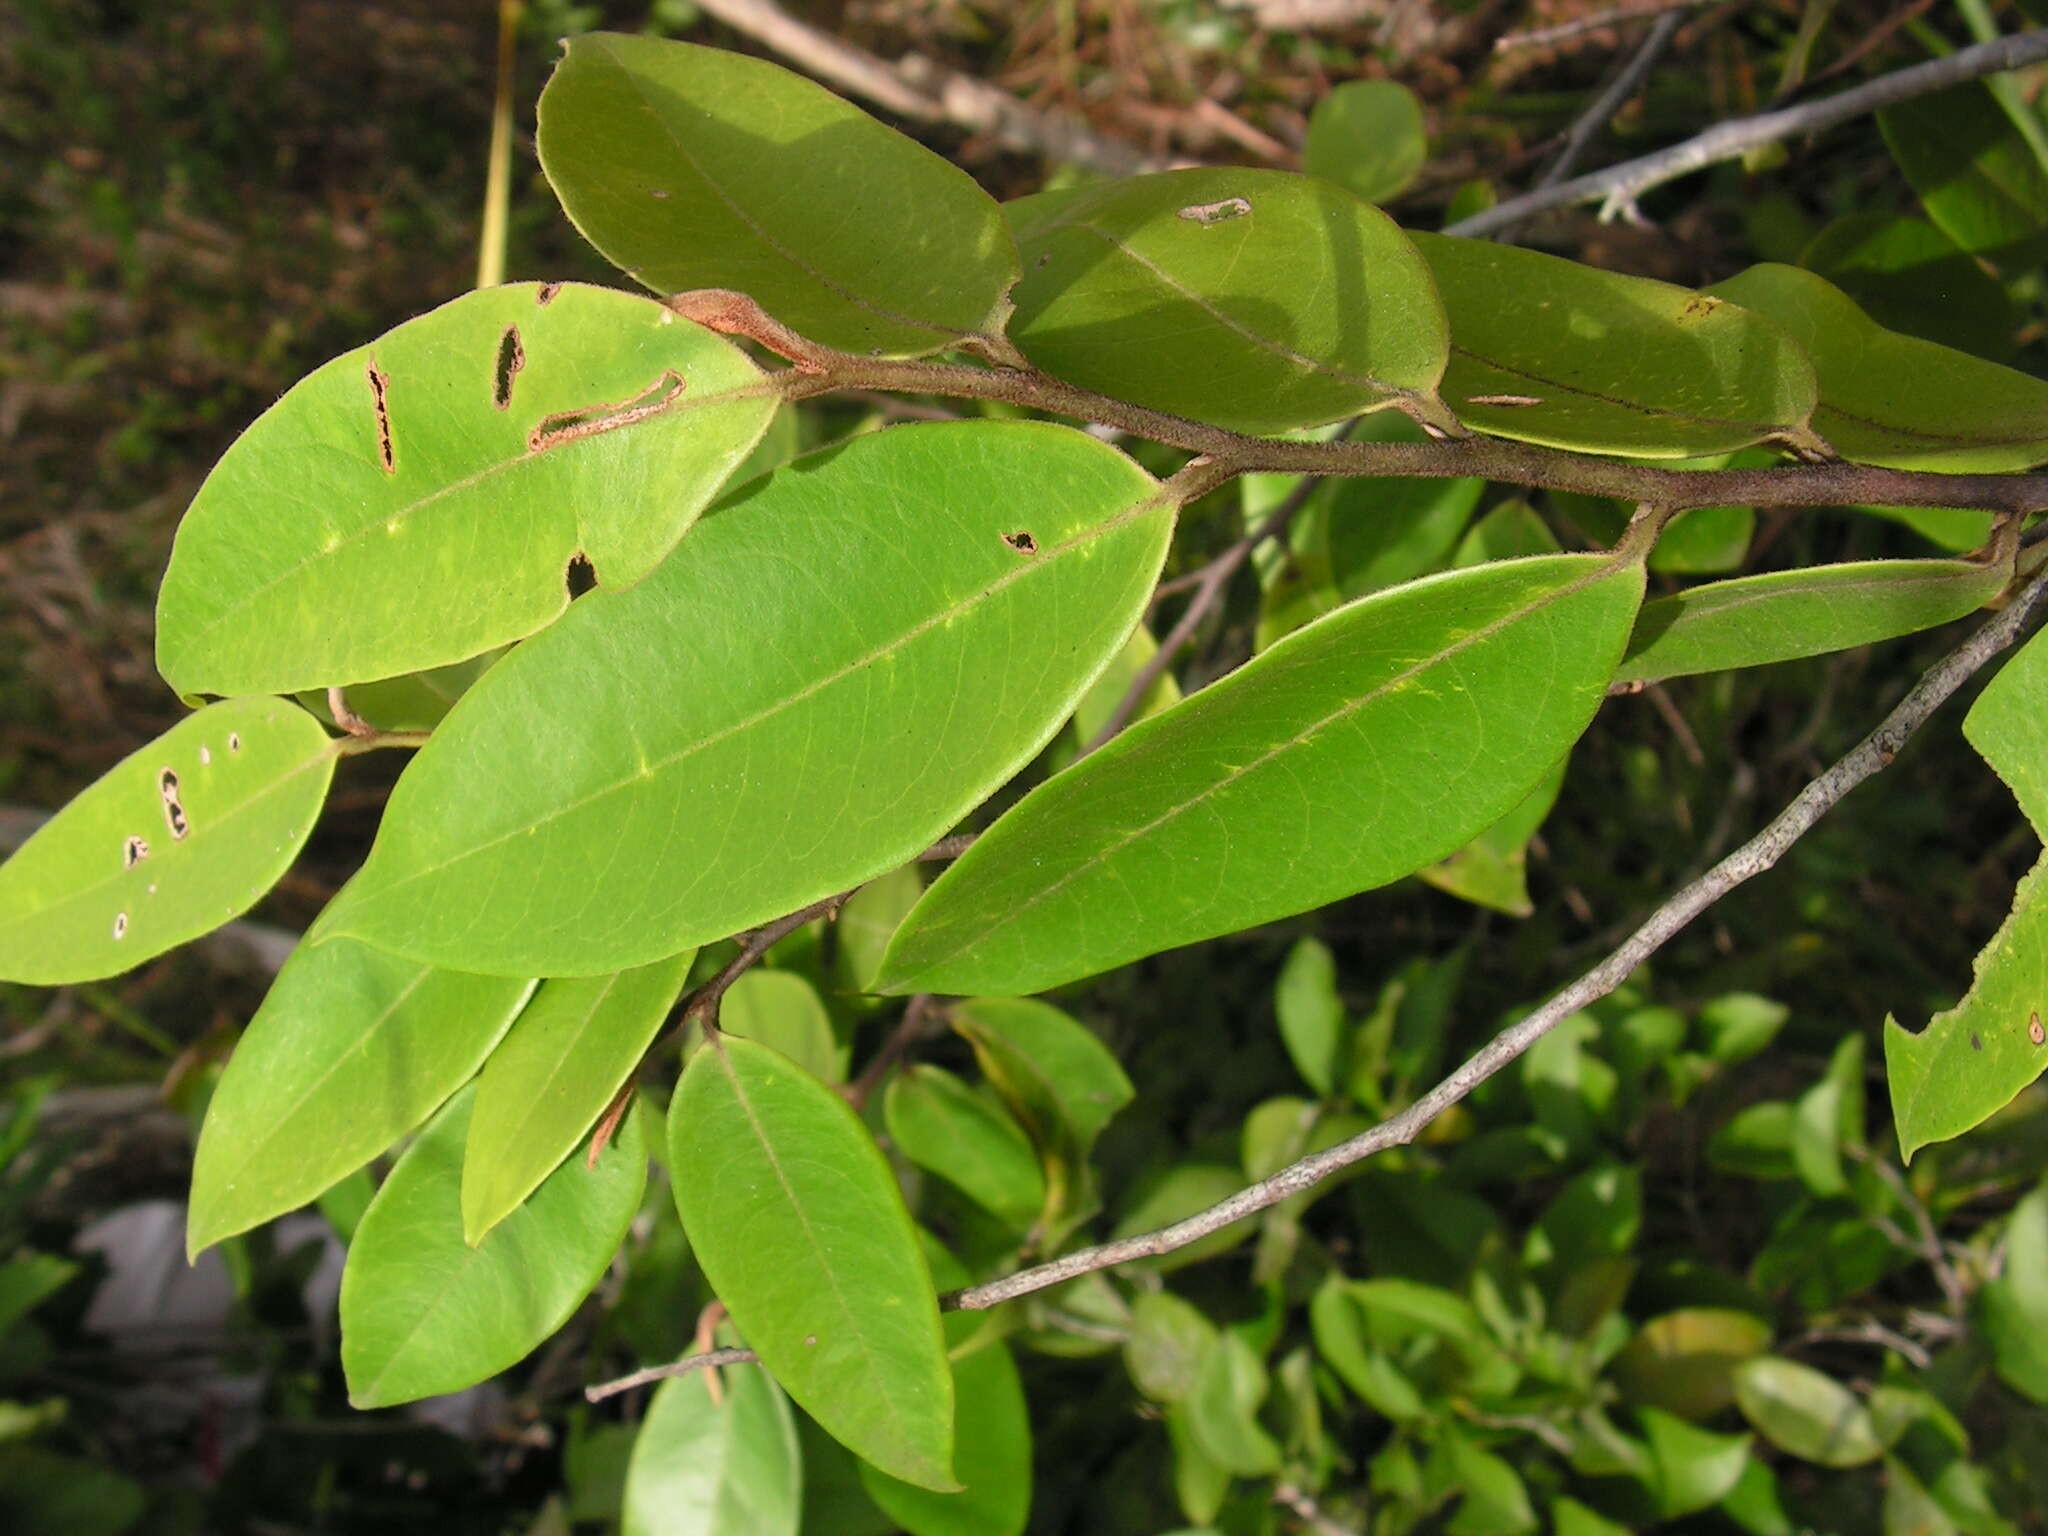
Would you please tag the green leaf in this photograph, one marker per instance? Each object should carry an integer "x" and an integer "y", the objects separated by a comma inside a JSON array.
[
  {"x": 868, "y": 921},
  {"x": 2012, "y": 1310},
  {"x": 351, "y": 1049},
  {"x": 991, "y": 1457},
  {"x": 1977, "y": 177},
  {"x": 1684, "y": 1361},
  {"x": 1908, "y": 276},
  {"x": 1230, "y": 1384},
  {"x": 1508, "y": 532},
  {"x": 692, "y": 167},
  {"x": 417, "y": 701},
  {"x": 43, "y": 1494},
  {"x": 1492, "y": 870},
  {"x": 547, "y": 1084},
  {"x": 1338, "y": 1324},
  {"x": 1752, "y": 621},
  {"x": 715, "y": 1468},
  {"x": 1970, "y": 1061},
  {"x": 1909, "y": 1509},
  {"x": 1568, "y": 1517},
  {"x": 1374, "y": 741},
  {"x": 1199, "y": 1483},
  {"x": 1312, "y": 1014},
  {"x": 423, "y": 1312},
  {"x": 1168, "y": 1340},
  {"x": 1694, "y": 1468},
  {"x": 1055, "y": 1073},
  {"x": 1093, "y": 712},
  {"x": 27, "y": 1282},
  {"x": 391, "y": 514},
  {"x": 1897, "y": 400},
  {"x": 938, "y": 596},
  {"x": 1252, "y": 299},
  {"x": 1612, "y": 363},
  {"x": 1805, "y": 1413},
  {"x": 949, "y": 1130},
  {"x": 1705, "y": 541},
  {"x": 1492, "y": 1498},
  {"x": 169, "y": 843},
  {"x": 1367, "y": 136},
  {"x": 797, "y": 1221},
  {"x": 781, "y": 1010},
  {"x": 1738, "y": 1025}
]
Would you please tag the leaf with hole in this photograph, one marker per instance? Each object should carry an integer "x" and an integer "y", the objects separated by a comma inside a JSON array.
[
  {"x": 1251, "y": 299},
  {"x": 727, "y": 1465},
  {"x": 424, "y": 1313},
  {"x": 1376, "y": 740},
  {"x": 470, "y": 454},
  {"x": 650, "y": 773},
  {"x": 177, "y": 838},
  {"x": 692, "y": 167},
  {"x": 795, "y": 1217},
  {"x": 351, "y": 1049},
  {"x": 1603, "y": 362},
  {"x": 551, "y": 1079}
]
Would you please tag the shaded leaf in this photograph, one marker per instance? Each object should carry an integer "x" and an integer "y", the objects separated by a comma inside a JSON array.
[
  {"x": 1168, "y": 1340},
  {"x": 1058, "y": 1077},
  {"x": 1311, "y": 1014},
  {"x": 1805, "y": 1413},
  {"x": 1230, "y": 1384},
  {"x": 781, "y": 1010},
  {"x": 1493, "y": 869},
  {"x": 1684, "y": 1362},
  {"x": 948, "y": 1129},
  {"x": 1977, "y": 177},
  {"x": 1174, "y": 1195},
  {"x": 868, "y": 921},
  {"x": 1908, "y": 276},
  {"x": 729, "y": 1467},
  {"x": 2012, "y": 1310},
  {"x": 1367, "y": 136}
]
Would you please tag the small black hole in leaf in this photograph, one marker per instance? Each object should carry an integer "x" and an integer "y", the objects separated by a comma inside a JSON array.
[
  {"x": 1022, "y": 542},
  {"x": 581, "y": 575}
]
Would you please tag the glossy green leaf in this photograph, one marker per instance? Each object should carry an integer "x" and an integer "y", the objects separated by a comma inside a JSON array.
[
  {"x": 797, "y": 1221},
  {"x": 1252, "y": 299},
  {"x": 1684, "y": 1361},
  {"x": 1977, "y": 177},
  {"x": 171, "y": 842},
  {"x": 991, "y": 1457},
  {"x": 1168, "y": 1340},
  {"x": 423, "y": 1312},
  {"x": 1375, "y": 741},
  {"x": 1971, "y": 1060},
  {"x": 557, "y": 1070},
  {"x": 1311, "y": 1014},
  {"x": 2012, "y": 1309},
  {"x": 692, "y": 167},
  {"x": 1897, "y": 400},
  {"x": 351, "y": 1049},
  {"x": 938, "y": 596},
  {"x": 781, "y": 1010},
  {"x": 869, "y": 920},
  {"x": 1752, "y": 621},
  {"x": 1107, "y": 692},
  {"x": 1230, "y": 1384},
  {"x": 1607, "y": 363},
  {"x": 949, "y": 1130},
  {"x": 1908, "y": 276},
  {"x": 1367, "y": 136},
  {"x": 1492, "y": 870},
  {"x": 724, "y": 1467},
  {"x": 419, "y": 500},
  {"x": 1805, "y": 1413},
  {"x": 1694, "y": 1468}
]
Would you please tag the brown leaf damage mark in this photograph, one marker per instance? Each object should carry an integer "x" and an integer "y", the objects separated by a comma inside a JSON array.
[
  {"x": 380, "y": 384},
  {"x": 174, "y": 811},
  {"x": 570, "y": 426},
  {"x": 580, "y": 576},
  {"x": 2035, "y": 1032},
  {"x": 511, "y": 358},
  {"x": 133, "y": 852},
  {"x": 545, "y": 294},
  {"x": 1503, "y": 400},
  {"x": 1218, "y": 212},
  {"x": 1022, "y": 542},
  {"x": 120, "y": 925}
]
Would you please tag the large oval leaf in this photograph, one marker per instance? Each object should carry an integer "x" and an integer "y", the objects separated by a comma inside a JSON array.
[
  {"x": 169, "y": 843},
  {"x": 351, "y": 1049},
  {"x": 1358, "y": 749},
  {"x": 1252, "y": 299},
  {"x": 797, "y": 1221},
  {"x": 1754, "y": 620},
  {"x": 695, "y": 168},
  {"x": 1897, "y": 400},
  {"x": 1607, "y": 363},
  {"x": 547, "y": 1084},
  {"x": 921, "y": 609},
  {"x": 424, "y": 1313},
  {"x": 715, "y": 1466},
  {"x": 419, "y": 500},
  {"x": 1805, "y": 1413}
]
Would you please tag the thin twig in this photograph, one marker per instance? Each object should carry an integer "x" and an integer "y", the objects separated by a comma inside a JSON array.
[
  {"x": 1307, "y": 1510},
  {"x": 683, "y": 1367},
  {"x": 906, "y": 1034},
  {"x": 1619, "y": 93},
  {"x": 1617, "y": 187},
  {"x": 704, "y": 1002},
  {"x": 1873, "y": 754},
  {"x": 1537, "y": 37},
  {"x": 1865, "y": 45},
  {"x": 346, "y": 718}
]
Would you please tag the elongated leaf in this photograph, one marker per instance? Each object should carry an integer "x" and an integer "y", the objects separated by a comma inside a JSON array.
[
  {"x": 1977, "y": 177},
  {"x": 1695, "y": 1467},
  {"x": 424, "y": 1313},
  {"x": 547, "y": 1084},
  {"x": 1970, "y": 1061},
  {"x": 947, "y": 1129},
  {"x": 1375, "y": 741},
  {"x": 1367, "y": 136},
  {"x": 1754, "y": 620},
  {"x": 784, "y": 1012},
  {"x": 1055, "y": 1072},
  {"x": 1607, "y": 363},
  {"x": 2012, "y": 1310},
  {"x": 1311, "y": 1015},
  {"x": 351, "y": 1049},
  {"x": 1897, "y": 400},
  {"x": 169, "y": 843},
  {"x": 992, "y": 1458},
  {"x": 1493, "y": 869},
  {"x": 798, "y": 1223},
  {"x": 724, "y": 1467},
  {"x": 419, "y": 500},
  {"x": 1223, "y": 1410},
  {"x": 937, "y": 598},
  {"x": 695, "y": 168},
  {"x": 1252, "y": 299},
  {"x": 1805, "y": 1413}
]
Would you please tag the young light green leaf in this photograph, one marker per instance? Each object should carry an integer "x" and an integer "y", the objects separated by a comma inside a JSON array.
[
  {"x": 939, "y": 596},
  {"x": 949, "y": 1130},
  {"x": 1694, "y": 1467},
  {"x": 1805, "y": 1413},
  {"x": 781, "y": 1010},
  {"x": 1311, "y": 1014},
  {"x": 169, "y": 843},
  {"x": 2012, "y": 1310},
  {"x": 1253, "y": 299},
  {"x": 1751, "y": 621},
  {"x": 1230, "y": 1384},
  {"x": 1058, "y": 1077},
  {"x": 797, "y": 1221},
  {"x": 724, "y": 1466},
  {"x": 692, "y": 167},
  {"x": 992, "y": 1458},
  {"x": 1376, "y": 740},
  {"x": 1367, "y": 136},
  {"x": 1977, "y": 176},
  {"x": 1897, "y": 400},
  {"x": 457, "y": 465},
  {"x": 1970, "y": 1061},
  {"x": 351, "y": 1049},
  {"x": 1607, "y": 363},
  {"x": 423, "y": 1313},
  {"x": 547, "y": 1084}
]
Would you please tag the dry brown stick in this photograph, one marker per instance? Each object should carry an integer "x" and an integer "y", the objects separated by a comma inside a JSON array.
[{"x": 1620, "y": 16}]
